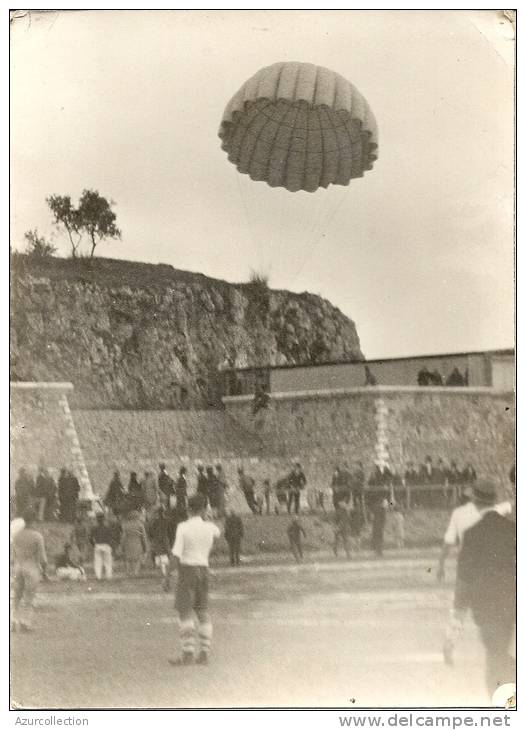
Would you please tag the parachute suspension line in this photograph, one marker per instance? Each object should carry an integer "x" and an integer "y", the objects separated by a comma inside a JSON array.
[
  {"x": 327, "y": 220},
  {"x": 245, "y": 211}
]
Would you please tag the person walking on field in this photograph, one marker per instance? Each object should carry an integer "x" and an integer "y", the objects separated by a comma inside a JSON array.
[
  {"x": 30, "y": 561},
  {"x": 191, "y": 551},
  {"x": 102, "y": 537},
  {"x": 246, "y": 484},
  {"x": 134, "y": 543},
  {"x": 479, "y": 500},
  {"x": 234, "y": 532},
  {"x": 295, "y": 533},
  {"x": 486, "y": 584},
  {"x": 161, "y": 541}
]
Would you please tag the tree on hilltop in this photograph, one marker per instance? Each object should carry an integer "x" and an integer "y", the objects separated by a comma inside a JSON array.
[
  {"x": 97, "y": 218},
  {"x": 68, "y": 217},
  {"x": 93, "y": 217}
]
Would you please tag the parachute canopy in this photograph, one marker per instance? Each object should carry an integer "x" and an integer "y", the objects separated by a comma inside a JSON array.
[{"x": 300, "y": 127}]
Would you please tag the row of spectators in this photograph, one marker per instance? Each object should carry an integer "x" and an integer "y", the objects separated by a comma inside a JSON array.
[
  {"x": 455, "y": 378},
  {"x": 51, "y": 500}
]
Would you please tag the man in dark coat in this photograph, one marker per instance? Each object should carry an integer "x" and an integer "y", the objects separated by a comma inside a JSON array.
[
  {"x": 165, "y": 484},
  {"x": 455, "y": 378},
  {"x": 45, "y": 493},
  {"x": 297, "y": 482},
  {"x": 234, "y": 532},
  {"x": 24, "y": 491},
  {"x": 68, "y": 494},
  {"x": 486, "y": 583},
  {"x": 202, "y": 483},
  {"x": 246, "y": 484},
  {"x": 424, "y": 377},
  {"x": 115, "y": 496}
]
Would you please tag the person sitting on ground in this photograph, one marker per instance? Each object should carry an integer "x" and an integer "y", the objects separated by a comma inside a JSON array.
[
  {"x": 455, "y": 378},
  {"x": 295, "y": 534},
  {"x": 67, "y": 567},
  {"x": 79, "y": 537},
  {"x": 134, "y": 543},
  {"x": 234, "y": 533}
]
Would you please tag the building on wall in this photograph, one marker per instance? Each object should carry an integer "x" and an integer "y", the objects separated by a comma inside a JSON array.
[{"x": 493, "y": 368}]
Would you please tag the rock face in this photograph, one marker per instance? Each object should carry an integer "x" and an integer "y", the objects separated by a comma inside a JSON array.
[{"x": 143, "y": 336}]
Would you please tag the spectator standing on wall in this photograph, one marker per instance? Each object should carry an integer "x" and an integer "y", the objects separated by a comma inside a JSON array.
[
  {"x": 297, "y": 482},
  {"x": 469, "y": 475},
  {"x": 46, "y": 495},
  {"x": 165, "y": 484},
  {"x": 24, "y": 491},
  {"x": 370, "y": 380},
  {"x": 247, "y": 484},
  {"x": 436, "y": 378},
  {"x": 424, "y": 376},
  {"x": 455, "y": 378},
  {"x": 234, "y": 533},
  {"x": 115, "y": 497}
]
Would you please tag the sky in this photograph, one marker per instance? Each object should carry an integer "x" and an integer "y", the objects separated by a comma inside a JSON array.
[{"x": 419, "y": 252}]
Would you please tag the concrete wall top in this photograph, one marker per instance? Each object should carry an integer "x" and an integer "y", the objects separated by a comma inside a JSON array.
[
  {"x": 40, "y": 386},
  {"x": 375, "y": 391}
]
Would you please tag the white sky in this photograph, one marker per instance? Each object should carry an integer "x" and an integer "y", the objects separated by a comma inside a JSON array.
[{"x": 419, "y": 252}]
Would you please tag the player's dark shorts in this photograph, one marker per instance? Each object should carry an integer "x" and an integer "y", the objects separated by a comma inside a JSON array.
[{"x": 192, "y": 589}]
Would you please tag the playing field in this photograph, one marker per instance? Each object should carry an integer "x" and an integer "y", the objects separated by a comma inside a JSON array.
[{"x": 358, "y": 634}]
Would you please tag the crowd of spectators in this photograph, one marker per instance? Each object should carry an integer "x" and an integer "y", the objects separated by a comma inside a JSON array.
[
  {"x": 455, "y": 378},
  {"x": 51, "y": 500}
]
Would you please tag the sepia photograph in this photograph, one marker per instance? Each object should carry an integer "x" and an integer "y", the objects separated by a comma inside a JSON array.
[{"x": 262, "y": 360}]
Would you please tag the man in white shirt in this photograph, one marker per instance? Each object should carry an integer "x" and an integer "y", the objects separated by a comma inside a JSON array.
[
  {"x": 482, "y": 498},
  {"x": 193, "y": 543}
]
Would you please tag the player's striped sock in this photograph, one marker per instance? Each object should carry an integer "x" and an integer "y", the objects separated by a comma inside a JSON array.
[{"x": 187, "y": 635}]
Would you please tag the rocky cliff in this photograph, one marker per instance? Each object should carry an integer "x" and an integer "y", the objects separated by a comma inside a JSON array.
[{"x": 132, "y": 335}]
